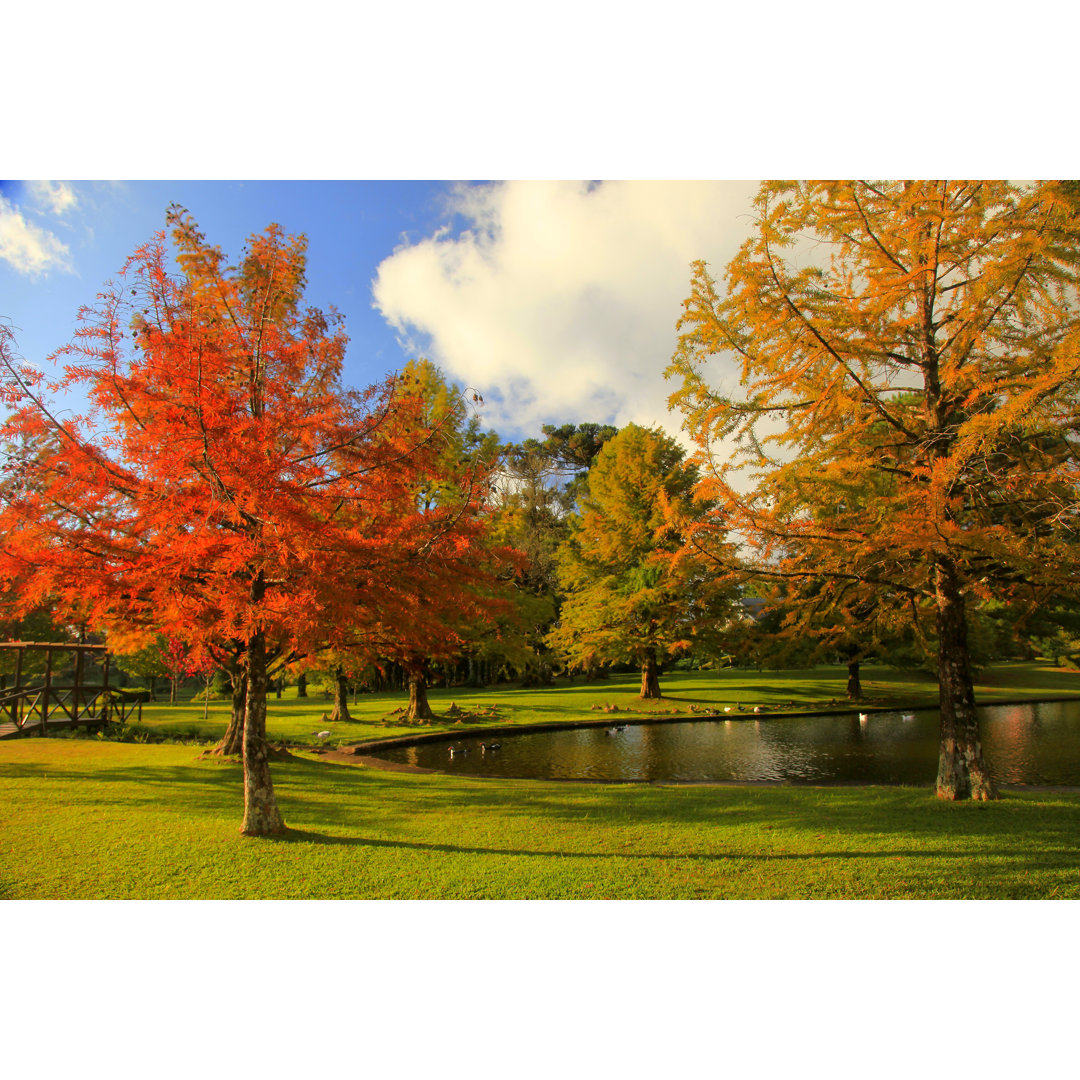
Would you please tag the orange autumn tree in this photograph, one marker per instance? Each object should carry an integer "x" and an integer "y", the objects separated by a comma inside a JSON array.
[
  {"x": 223, "y": 486},
  {"x": 468, "y": 600},
  {"x": 904, "y": 425}
]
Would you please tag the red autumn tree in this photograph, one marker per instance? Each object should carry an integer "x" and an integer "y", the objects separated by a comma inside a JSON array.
[
  {"x": 459, "y": 474},
  {"x": 223, "y": 487}
]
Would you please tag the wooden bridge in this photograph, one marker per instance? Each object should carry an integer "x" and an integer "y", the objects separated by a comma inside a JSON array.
[{"x": 37, "y": 705}]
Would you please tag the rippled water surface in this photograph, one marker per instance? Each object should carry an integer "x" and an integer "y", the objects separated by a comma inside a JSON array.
[{"x": 1023, "y": 744}]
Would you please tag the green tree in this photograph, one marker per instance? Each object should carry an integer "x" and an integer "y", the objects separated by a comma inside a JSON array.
[
  {"x": 908, "y": 356},
  {"x": 630, "y": 593},
  {"x": 541, "y": 483}
]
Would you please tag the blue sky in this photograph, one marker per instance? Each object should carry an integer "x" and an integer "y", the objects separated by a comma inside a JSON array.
[
  {"x": 350, "y": 228},
  {"x": 557, "y": 300}
]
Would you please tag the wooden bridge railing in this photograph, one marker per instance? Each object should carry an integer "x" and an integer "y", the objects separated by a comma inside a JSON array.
[
  {"x": 36, "y": 706},
  {"x": 44, "y": 704}
]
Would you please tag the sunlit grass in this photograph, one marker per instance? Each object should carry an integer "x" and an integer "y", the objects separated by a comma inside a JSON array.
[
  {"x": 90, "y": 819},
  {"x": 296, "y": 720}
]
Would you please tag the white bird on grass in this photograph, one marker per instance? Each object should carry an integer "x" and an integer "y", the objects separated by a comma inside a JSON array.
[{"x": 322, "y": 735}]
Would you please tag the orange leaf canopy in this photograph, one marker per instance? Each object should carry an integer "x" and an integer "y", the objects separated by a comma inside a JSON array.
[{"x": 223, "y": 482}]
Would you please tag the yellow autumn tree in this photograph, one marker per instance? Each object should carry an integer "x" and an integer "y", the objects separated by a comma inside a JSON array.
[
  {"x": 630, "y": 593},
  {"x": 905, "y": 420}
]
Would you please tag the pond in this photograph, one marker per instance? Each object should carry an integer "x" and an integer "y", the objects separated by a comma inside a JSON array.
[{"x": 1024, "y": 744}]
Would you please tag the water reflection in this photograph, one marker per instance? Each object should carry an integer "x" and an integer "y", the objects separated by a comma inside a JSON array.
[{"x": 1028, "y": 744}]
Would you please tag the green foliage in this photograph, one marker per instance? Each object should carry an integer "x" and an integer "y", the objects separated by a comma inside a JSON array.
[
  {"x": 147, "y": 663},
  {"x": 37, "y": 625},
  {"x": 632, "y": 593},
  {"x": 542, "y": 479},
  {"x": 465, "y": 450}
]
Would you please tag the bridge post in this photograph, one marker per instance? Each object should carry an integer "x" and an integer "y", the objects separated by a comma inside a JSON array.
[
  {"x": 105, "y": 696},
  {"x": 16, "y": 705},
  {"x": 77, "y": 693},
  {"x": 47, "y": 691}
]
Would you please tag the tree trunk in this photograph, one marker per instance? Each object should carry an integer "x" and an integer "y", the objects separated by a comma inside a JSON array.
[
  {"x": 854, "y": 685},
  {"x": 301, "y": 685},
  {"x": 650, "y": 676},
  {"x": 232, "y": 743},
  {"x": 962, "y": 773},
  {"x": 172, "y": 690},
  {"x": 341, "y": 696},
  {"x": 261, "y": 814},
  {"x": 419, "y": 709}
]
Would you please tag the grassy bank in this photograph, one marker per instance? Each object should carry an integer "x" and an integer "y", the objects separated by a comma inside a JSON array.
[
  {"x": 295, "y": 720},
  {"x": 90, "y": 819}
]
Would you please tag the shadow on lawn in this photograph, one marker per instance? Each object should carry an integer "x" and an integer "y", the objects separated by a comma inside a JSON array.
[
  {"x": 202, "y": 790},
  {"x": 1019, "y": 818},
  {"x": 344, "y": 796},
  {"x": 1050, "y": 858}
]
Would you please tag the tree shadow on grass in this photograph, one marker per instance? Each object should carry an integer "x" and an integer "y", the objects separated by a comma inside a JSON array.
[
  {"x": 342, "y": 795},
  {"x": 1049, "y": 858},
  {"x": 209, "y": 790}
]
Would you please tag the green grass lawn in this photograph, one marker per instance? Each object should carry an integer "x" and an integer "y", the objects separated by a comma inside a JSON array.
[{"x": 94, "y": 819}]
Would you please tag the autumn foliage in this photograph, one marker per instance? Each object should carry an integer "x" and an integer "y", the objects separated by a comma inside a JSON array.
[
  {"x": 902, "y": 435},
  {"x": 223, "y": 487},
  {"x": 631, "y": 592}
]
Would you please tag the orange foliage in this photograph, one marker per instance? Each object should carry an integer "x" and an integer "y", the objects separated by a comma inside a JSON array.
[
  {"x": 909, "y": 396},
  {"x": 224, "y": 486}
]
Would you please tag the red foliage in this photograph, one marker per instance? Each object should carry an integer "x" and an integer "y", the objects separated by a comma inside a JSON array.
[{"x": 224, "y": 487}]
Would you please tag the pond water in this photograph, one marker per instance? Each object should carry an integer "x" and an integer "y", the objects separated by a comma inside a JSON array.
[{"x": 1023, "y": 744}]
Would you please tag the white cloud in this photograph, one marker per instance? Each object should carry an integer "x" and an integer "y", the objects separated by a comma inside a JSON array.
[
  {"x": 559, "y": 300},
  {"x": 54, "y": 196},
  {"x": 28, "y": 248}
]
